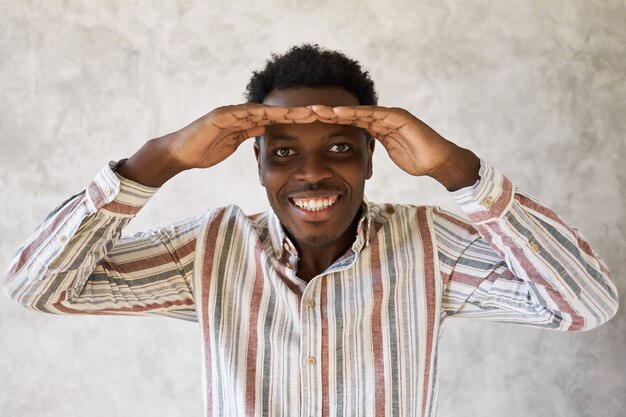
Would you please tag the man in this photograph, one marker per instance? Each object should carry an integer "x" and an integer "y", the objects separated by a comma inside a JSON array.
[{"x": 327, "y": 304}]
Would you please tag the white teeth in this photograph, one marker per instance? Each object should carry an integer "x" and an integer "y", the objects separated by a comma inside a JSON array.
[{"x": 315, "y": 204}]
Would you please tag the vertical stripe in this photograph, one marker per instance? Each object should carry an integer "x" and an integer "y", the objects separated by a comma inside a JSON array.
[
  {"x": 207, "y": 330},
  {"x": 251, "y": 356},
  {"x": 225, "y": 236},
  {"x": 325, "y": 359},
  {"x": 339, "y": 337},
  {"x": 268, "y": 353},
  {"x": 377, "y": 329},
  {"x": 393, "y": 377},
  {"x": 430, "y": 296}
]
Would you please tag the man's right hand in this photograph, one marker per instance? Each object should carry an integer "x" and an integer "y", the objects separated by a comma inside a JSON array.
[{"x": 206, "y": 141}]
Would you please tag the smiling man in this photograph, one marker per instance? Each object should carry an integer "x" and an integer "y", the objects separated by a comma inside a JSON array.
[
  {"x": 327, "y": 304},
  {"x": 315, "y": 176}
]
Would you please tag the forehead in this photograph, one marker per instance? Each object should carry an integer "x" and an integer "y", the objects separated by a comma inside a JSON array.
[{"x": 305, "y": 96}]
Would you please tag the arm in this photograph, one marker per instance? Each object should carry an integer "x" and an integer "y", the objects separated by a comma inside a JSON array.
[
  {"x": 518, "y": 261},
  {"x": 77, "y": 261}
]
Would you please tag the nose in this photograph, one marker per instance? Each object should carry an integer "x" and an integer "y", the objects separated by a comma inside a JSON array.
[{"x": 313, "y": 168}]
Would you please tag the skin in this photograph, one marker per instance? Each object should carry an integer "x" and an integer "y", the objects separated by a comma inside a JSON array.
[
  {"x": 312, "y": 145},
  {"x": 313, "y": 161}
]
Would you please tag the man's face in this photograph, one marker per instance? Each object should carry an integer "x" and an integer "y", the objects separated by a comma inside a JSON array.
[{"x": 314, "y": 174}]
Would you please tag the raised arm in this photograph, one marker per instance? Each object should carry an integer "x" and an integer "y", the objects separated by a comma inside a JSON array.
[
  {"x": 517, "y": 261},
  {"x": 78, "y": 262}
]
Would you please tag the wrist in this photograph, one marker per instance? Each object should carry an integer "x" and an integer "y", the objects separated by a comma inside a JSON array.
[
  {"x": 153, "y": 164},
  {"x": 460, "y": 170}
]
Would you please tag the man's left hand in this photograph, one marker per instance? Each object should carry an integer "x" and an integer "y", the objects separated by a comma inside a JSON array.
[{"x": 412, "y": 145}]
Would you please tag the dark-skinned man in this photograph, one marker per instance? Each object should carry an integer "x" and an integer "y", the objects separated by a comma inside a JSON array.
[{"x": 327, "y": 304}]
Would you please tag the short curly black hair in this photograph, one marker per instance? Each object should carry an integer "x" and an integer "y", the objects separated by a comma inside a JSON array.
[{"x": 311, "y": 66}]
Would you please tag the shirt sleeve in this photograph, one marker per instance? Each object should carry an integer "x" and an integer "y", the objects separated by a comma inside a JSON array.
[
  {"x": 77, "y": 261},
  {"x": 518, "y": 262}
]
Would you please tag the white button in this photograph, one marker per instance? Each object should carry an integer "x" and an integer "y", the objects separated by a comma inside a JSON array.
[
  {"x": 108, "y": 192},
  {"x": 286, "y": 246},
  {"x": 310, "y": 360},
  {"x": 534, "y": 247},
  {"x": 289, "y": 265},
  {"x": 488, "y": 202},
  {"x": 62, "y": 238},
  {"x": 310, "y": 303}
]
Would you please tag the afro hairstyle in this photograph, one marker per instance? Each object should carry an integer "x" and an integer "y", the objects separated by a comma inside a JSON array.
[{"x": 315, "y": 67}]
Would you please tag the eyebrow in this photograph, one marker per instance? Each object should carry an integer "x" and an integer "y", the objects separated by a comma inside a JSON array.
[{"x": 291, "y": 138}]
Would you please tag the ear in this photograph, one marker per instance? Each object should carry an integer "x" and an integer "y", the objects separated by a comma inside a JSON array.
[
  {"x": 371, "y": 142},
  {"x": 257, "y": 151}
]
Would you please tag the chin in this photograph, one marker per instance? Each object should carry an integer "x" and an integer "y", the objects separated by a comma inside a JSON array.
[{"x": 314, "y": 241}]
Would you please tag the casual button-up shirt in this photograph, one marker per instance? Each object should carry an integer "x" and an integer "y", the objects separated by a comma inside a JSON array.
[{"x": 359, "y": 339}]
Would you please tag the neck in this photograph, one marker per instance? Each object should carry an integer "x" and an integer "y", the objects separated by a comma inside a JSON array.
[{"x": 316, "y": 259}]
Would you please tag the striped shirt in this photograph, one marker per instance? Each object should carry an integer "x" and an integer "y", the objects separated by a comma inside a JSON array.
[{"x": 361, "y": 338}]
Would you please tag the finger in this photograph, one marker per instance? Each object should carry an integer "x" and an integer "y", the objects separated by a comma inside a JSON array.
[
  {"x": 360, "y": 112},
  {"x": 364, "y": 124},
  {"x": 254, "y": 131},
  {"x": 274, "y": 121},
  {"x": 242, "y": 135},
  {"x": 298, "y": 113},
  {"x": 324, "y": 112},
  {"x": 246, "y": 116},
  {"x": 312, "y": 118}
]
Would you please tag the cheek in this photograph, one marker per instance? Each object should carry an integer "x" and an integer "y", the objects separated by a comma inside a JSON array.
[
  {"x": 273, "y": 177},
  {"x": 355, "y": 171}
]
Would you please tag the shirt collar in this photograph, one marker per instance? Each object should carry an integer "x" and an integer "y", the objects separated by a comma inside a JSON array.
[{"x": 281, "y": 242}]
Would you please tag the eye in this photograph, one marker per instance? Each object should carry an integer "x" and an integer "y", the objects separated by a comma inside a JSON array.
[
  {"x": 283, "y": 152},
  {"x": 339, "y": 147}
]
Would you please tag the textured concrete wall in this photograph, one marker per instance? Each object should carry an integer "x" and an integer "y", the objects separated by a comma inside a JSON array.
[{"x": 536, "y": 87}]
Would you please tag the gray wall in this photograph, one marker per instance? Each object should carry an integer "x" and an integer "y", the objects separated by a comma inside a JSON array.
[{"x": 535, "y": 87}]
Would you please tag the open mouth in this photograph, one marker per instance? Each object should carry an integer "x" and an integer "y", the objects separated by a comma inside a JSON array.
[{"x": 315, "y": 204}]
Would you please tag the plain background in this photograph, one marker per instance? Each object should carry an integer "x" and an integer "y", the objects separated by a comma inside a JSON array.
[{"x": 536, "y": 87}]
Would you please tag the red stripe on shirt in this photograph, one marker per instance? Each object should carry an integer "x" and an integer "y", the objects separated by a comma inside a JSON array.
[
  {"x": 377, "y": 330},
  {"x": 207, "y": 270},
  {"x": 430, "y": 307},
  {"x": 255, "y": 303}
]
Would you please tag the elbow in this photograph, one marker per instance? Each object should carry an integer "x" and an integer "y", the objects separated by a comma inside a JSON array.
[
  {"x": 26, "y": 293},
  {"x": 604, "y": 316},
  {"x": 22, "y": 299},
  {"x": 604, "y": 313},
  {"x": 592, "y": 320},
  {"x": 573, "y": 321}
]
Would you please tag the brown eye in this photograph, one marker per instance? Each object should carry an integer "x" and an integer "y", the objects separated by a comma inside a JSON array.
[
  {"x": 339, "y": 147},
  {"x": 283, "y": 152}
]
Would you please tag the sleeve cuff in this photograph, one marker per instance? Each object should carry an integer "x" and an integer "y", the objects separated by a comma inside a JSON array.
[
  {"x": 489, "y": 198},
  {"x": 116, "y": 194}
]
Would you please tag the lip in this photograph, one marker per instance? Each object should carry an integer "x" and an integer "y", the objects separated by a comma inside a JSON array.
[{"x": 319, "y": 215}]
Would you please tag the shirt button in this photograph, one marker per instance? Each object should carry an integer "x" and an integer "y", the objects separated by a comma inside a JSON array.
[
  {"x": 534, "y": 247},
  {"x": 310, "y": 303},
  {"x": 289, "y": 265},
  {"x": 286, "y": 246},
  {"x": 310, "y": 360},
  {"x": 62, "y": 238},
  {"x": 488, "y": 202},
  {"x": 108, "y": 192}
]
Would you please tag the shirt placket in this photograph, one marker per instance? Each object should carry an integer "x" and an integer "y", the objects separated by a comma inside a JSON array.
[{"x": 310, "y": 349}]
